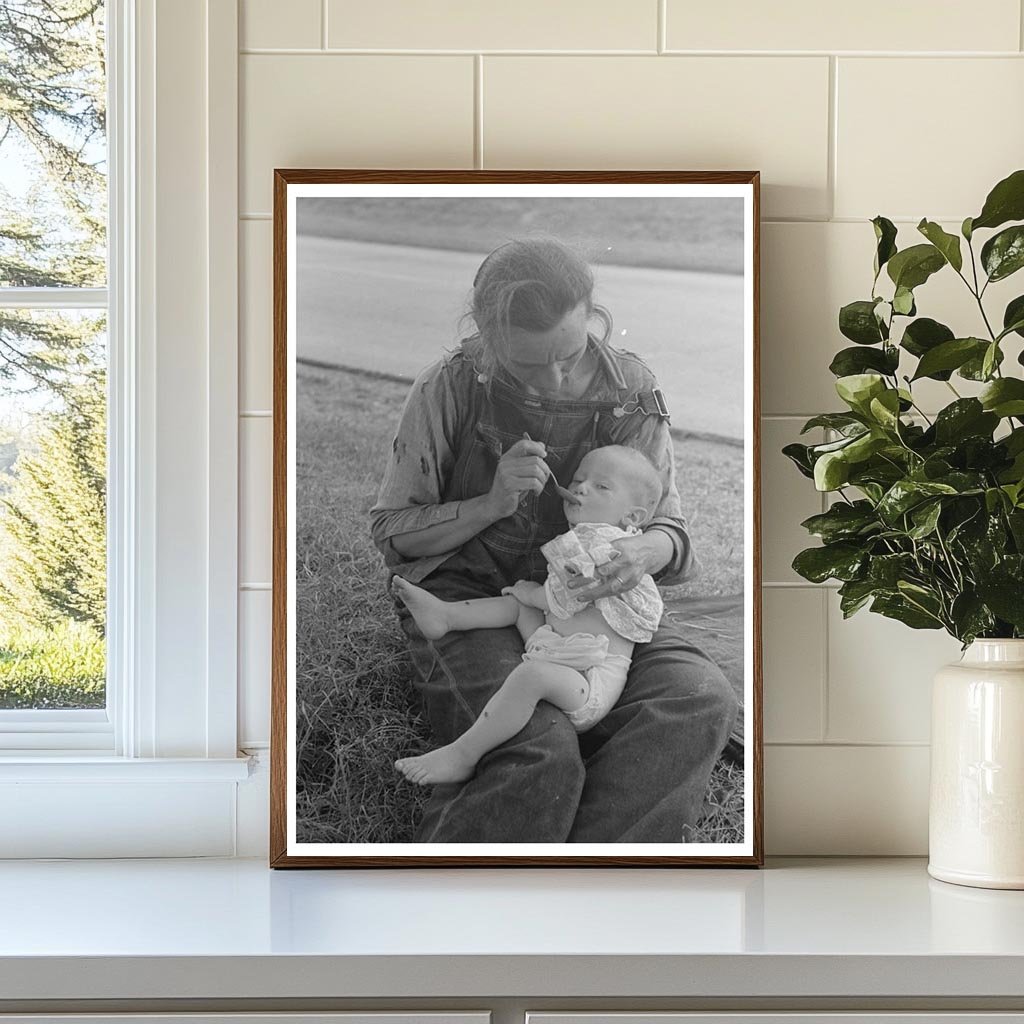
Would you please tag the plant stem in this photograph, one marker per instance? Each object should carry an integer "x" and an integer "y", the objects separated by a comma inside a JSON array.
[
  {"x": 954, "y": 568},
  {"x": 924, "y": 415},
  {"x": 974, "y": 269}
]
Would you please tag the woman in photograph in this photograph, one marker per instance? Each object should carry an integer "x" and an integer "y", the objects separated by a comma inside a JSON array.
[{"x": 463, "y": 509}]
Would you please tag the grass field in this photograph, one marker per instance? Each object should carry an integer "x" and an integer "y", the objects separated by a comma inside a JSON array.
[
  {"x": 60, "y": 667},
  {"x": 357, "y": 709},
  {"x": 679, "y": 234}
]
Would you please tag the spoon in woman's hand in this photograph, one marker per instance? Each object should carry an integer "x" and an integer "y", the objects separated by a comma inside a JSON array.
[{"x": 562, "y": 492}]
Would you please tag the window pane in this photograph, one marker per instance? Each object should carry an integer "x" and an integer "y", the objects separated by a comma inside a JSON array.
[
  {"x": 53, "y": 150},
  {"x": 52, "y": 509}
]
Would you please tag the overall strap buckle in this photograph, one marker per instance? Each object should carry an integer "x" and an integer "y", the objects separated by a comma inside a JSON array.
[{"x": 650, "y": 403}]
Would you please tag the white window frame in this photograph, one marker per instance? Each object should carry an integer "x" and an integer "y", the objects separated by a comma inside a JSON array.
[
  {"x": 63, "y": 730},
  {"x": 170, "y": 731}
]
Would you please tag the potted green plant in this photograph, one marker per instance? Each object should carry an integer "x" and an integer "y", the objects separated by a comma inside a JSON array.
[{"x": 927, "y": 521}]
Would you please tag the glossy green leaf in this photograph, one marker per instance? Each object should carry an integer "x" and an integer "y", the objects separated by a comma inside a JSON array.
[
  {"x": 799, "y": 455},
  {"x": 925, "y": 518},
  {"x": 849, "y": 361},
  {"x": 906, "y": 494},
  {"x": 990, "y": 361},
  {"x": 887, "y": 570},
  {"x": 817, "y": 450},
  {"x": 841, "y": 421},
  {"x": 1013, "y": 317},
  {"x": 854, "y": 594},
  {"x": 1004, "y": 397},
  {"x": 872, "y": 491},
  {"x": 1005, "y": 202},
  {"x": 840, "y": 561},
  {"x": 903, "y": 302},
  {"x": 947, "y": 244},
  {"x": 1005, "y": 597},
  {"x": 885, "y": 237},
  {"x": 1015, "y": 520},
  {"x": 885, "y": 409},
  {"x": 843, "y": 521},
  {"x": 1014, "y": 441},
  {"x": 964, "y": 481},
  {"x": 1003, "y": 254},
  {"x": 831, "y": 471},
  {"x": 857, "y": 321},
  {"x": 974, "y": 368},
  {"x": 964, "y": 418},
  {"x": 950, "y": 355},
  {"x": 858, "y": 389},
  {"x": 900, "y": 608},
  {"x": 865, "y": 446},
  {"x": 911, "y": 267},
  {"x": 971, "y": 617},
  {"x": 922, "y": 336},
  {"x": 965, "y": 228},
  {"x": 994, "y": 500}
]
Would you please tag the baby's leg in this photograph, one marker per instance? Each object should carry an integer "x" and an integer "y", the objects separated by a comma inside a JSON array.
[
  {"x": 503, "y": 716},
  {"x": 436, "y": 617}
]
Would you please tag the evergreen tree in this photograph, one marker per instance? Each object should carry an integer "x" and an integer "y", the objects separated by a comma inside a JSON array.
[
  {"x": 53, "y": 121},
  {"x": 53, "y": 234},
  {"x": 53, "y": 518}
]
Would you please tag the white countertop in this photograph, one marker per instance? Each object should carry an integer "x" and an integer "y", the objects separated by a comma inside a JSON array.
[{"x": 234, "y": 929}]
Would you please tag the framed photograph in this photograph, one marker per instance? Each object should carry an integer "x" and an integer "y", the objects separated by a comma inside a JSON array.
[{"x": 516, "y": 587}]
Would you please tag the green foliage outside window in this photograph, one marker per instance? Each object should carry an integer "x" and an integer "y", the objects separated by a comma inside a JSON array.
[{"x": 52, "y": 365}]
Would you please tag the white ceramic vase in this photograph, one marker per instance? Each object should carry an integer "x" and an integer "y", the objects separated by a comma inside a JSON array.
[{"x": 976, "y": 814}]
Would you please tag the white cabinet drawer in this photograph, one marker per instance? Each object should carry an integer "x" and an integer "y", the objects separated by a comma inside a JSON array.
[{"x": 933, "y": 1017}]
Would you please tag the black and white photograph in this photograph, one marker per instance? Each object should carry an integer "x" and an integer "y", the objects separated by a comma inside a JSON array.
[{"x": 516, "y": 609}]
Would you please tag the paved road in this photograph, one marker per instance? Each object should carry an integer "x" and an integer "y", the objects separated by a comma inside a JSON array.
[{"x": 395, "y": 308}]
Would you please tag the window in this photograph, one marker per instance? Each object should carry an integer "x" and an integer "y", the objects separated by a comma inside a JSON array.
[
  {"x": 53, "y": 372},
  {"x": 155, "y": 771}
]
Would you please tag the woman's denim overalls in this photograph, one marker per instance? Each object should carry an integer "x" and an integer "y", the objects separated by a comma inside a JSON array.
[{"x": 638, "y": 776}]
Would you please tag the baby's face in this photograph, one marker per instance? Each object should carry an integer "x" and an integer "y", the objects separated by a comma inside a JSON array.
[{"x": 604, "y": 489}]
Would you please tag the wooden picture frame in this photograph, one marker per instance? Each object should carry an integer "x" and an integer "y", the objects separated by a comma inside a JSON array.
[{"x": 371, "y": 269}]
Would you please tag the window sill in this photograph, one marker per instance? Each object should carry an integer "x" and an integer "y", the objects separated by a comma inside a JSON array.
[{"x": 76, "y": 766}]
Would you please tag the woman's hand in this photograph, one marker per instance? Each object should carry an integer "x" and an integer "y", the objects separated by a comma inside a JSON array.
[
  {"x": 634, "y": 557},
  {"x": 522, "y": 468}
]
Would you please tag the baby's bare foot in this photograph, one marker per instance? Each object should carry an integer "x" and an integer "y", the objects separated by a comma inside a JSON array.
[
  {"x": 428, "y": 612},
  {"x": 445, "y": 764}
]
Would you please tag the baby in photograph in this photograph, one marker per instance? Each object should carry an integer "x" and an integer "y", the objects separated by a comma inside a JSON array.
[{"x": 577, "y": 653}]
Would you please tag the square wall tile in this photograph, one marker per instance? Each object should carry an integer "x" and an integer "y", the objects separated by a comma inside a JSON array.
[
  {"x": 469, "y": 25},
  {"x": 962, "y": 128},
  {"x": 255, "y": 316},
  {"x": 808, "y": 272},
  {"x": 351, "y": 111},
  {"x": 869, "y": 25},
  {"x": 683, "y": 113},
  {"x": 787, "y": 499},
  {"x": 255, "y": 510},
  {"x": 880, "y": 677},
  {"x": 254, "y": 619},
  {"x": 846, "y": 801},
  {"x": 794, "y": 663},
  {"x": 269, "y": 24}
]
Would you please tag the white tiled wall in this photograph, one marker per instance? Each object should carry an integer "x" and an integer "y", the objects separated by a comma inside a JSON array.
[{"x": 908, "y": 110}]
